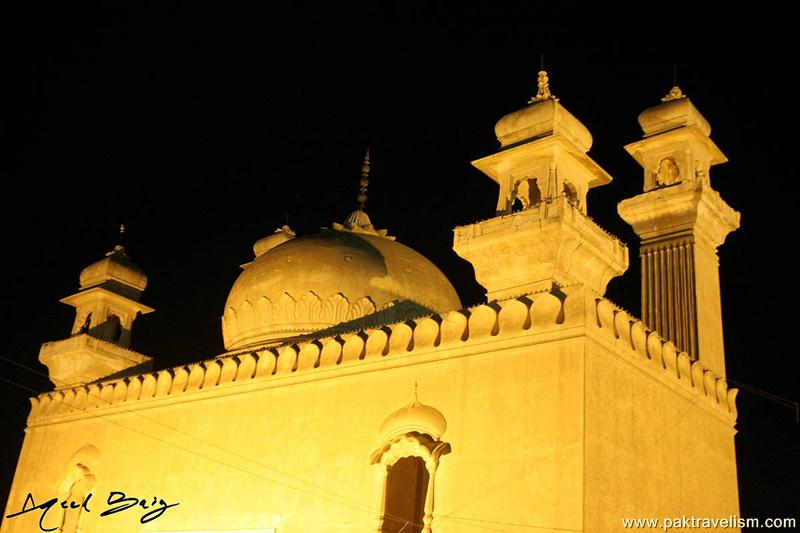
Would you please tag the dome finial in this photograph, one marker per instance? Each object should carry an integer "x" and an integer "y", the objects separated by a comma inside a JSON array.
[
  {"x": 543, "y": 92},
  {"x": 674, "y": 94},
  {"x": 364, "y": 182},
  {"x": 358, "y": 221},
  {"x": 119, "y": 249}
]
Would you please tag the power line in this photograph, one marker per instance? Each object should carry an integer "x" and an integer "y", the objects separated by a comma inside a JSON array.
[
  {"x": 515, "y": 524},
  {"x": 176, "y": 430},
  {"x": 362, "y": 507},
  {"x": 771, "y": 397},
  {"x": 329, "y": 494},
  {"x": 182, "y": 448}
]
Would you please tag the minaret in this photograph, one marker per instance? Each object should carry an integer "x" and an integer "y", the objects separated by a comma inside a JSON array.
[
  {"x": 681, "y": 221},
  {"x": 106, "y": 305},
  {"x": 541, "y": 237}
]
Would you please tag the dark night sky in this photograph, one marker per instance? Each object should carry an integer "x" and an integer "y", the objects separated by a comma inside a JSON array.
[{"x": 202, "y": 126}]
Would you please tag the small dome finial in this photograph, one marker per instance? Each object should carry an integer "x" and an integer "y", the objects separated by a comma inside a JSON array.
[
  {"x": 358, "y": 221},
  {"x": 119, "y": 249},
  {"x": 364, "y": 182},
  {"x": 543, "y": 92},
  {"x": 674, "y": 94}
]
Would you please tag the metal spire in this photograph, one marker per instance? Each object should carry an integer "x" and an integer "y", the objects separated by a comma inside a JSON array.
[
  {"x": 119, "y": 249},
  {"x": 364, "y": 182},
  {"x": 358, "y": 221},
  {"x": 675, "y": 93}
]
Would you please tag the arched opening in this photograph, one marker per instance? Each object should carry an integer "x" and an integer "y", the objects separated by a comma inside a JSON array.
[
  {"x": 406, "y": 490},
  {"x": 86, "y": 324},
  {"x": 534, "y": 193},
  {"x": 571, "y": 194},
  {"x": 526, "y": 195},
  {"x": 115, "y": 328}
]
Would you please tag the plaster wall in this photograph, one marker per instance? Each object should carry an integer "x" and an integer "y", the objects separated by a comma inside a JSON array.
[
  {"x": 650, "y": 451},
  {"x": 293, "y": 452}
]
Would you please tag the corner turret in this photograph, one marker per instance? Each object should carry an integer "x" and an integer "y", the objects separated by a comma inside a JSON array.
[
  {"x": 541, "y": 237},
  {"x": 681, "y": 221},
  {"x": 106, "y": 305}
]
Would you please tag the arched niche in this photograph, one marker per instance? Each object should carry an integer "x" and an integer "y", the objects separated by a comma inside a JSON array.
[
  {"x": 76, "y": 484},
  {"x": 75, "y": 489}
]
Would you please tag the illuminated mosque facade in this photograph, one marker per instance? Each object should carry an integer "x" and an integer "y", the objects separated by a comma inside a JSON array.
[{"x": 356, "y": 394}]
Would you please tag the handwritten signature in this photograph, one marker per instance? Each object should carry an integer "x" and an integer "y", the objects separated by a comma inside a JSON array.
[{"x": 117, "y": 502}]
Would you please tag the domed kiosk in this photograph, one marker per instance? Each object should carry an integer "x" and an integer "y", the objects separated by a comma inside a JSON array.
[
  {"x": 414, "y": 417},
  {"x": 350, "y": 276}
]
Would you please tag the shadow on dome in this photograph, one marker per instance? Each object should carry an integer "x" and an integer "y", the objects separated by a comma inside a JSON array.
[{"x": 399, "y": 312}]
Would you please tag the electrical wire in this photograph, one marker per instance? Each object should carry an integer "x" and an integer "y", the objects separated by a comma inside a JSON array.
[{"x": 361, "y": 508}]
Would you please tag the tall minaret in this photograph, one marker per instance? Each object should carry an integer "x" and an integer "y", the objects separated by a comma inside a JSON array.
[
  {"x": 106, "y": 306},
  {"x": 541, "y": 237},
  {"x": 681, "y": 221}
]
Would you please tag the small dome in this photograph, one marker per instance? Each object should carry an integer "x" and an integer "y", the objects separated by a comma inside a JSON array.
[
  {"x": 540, "y": 119},
  {"x": 280, "y": 236},
  {"x": 352, "y": 279},
  {"x": 116, "y": 266},
  {"x": 670, "y": 114},
  {"x": 414, "y": 417}
]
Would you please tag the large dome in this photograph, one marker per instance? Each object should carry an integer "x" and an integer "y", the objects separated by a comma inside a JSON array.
[{"x": 343, "y": 278}]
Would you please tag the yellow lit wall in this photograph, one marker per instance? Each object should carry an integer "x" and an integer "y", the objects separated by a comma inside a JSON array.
[
  {"x": 554, "y": 420},
  {"x": 652, "y": 451}
]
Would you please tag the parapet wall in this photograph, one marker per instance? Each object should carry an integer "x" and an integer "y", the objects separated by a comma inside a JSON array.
[
  {"x": 529, "y": 317},
  {"x": 662, "y": 360}
]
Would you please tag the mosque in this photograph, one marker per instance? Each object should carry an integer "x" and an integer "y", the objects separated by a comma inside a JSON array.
[{"x": 356, "y": 394}]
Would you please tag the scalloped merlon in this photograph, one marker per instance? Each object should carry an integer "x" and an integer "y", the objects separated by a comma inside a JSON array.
[
  {"x": 525, "y": 315},
  {"x": 642, "y": 345}
]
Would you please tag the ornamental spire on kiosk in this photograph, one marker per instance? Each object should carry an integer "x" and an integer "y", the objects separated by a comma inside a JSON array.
[{"x": 543, "y": 88}]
